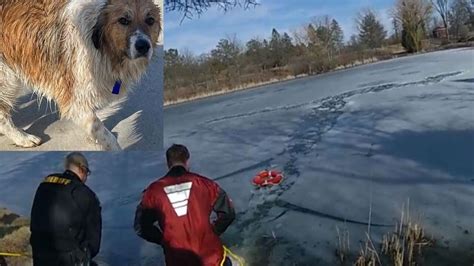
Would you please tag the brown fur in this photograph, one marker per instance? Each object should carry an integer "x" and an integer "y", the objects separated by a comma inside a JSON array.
[
  {"x": 43, "y": 47},
  {"x": 32, "y": 53},
  {"x": 118, "y": 34}
]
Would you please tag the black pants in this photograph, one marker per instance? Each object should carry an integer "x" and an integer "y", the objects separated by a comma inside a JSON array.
[
  {"x": 227, "y": 262},
  {"x": 61, "y": 259}
]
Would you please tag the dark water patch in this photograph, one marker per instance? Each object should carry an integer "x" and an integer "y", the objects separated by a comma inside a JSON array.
[
  {"x": 410, "y": 73},
  {"x": 371, "y": 84},
  {"x": 450, "y": 151},
  {"x": 458, "y": 97},
  {"x": 465, "y": 80},
  {"x": 278, "y": 216},
  {"x": 301, "y": 209},
  {"x": 377, "y": 88},
  {"x": 259, "y": 165}
]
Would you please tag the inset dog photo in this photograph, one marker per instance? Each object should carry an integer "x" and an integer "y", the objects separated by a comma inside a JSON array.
[{"x": 81, "y": 75}]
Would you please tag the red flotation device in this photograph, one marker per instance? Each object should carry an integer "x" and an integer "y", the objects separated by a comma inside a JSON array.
[{"x": 267, "y": 178}]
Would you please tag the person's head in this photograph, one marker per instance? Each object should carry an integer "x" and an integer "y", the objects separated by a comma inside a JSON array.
[
  {"x": 77, "y": 163},
  {"x": 177, "y": 155}
]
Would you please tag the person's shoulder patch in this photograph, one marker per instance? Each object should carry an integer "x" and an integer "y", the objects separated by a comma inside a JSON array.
[{"x": 56, "y": 180}]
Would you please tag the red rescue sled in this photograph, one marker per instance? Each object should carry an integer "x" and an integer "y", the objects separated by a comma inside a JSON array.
[{"x": 267, "y": 178}]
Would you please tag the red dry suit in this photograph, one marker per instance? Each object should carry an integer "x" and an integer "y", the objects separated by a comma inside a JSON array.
[{"x": 175, "y": 213}]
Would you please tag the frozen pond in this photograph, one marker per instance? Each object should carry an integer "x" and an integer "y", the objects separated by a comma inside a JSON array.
[
  {"x": 381, "y": 133},
  {"x": 376, "y": 135}
]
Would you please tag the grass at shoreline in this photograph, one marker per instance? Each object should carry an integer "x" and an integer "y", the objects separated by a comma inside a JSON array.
[{"x": 14, "y": 238}]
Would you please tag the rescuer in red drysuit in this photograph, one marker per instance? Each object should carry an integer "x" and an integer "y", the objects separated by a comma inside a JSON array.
[{"x": 175, "y": 213}]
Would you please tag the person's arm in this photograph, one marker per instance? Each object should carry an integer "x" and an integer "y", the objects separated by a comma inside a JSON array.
[
  {"x": 146, "y": 223},
  {"x": 93, "y": 220},
  {"x": 225, "y": 212},
  {"x": 94, "y": 227}
]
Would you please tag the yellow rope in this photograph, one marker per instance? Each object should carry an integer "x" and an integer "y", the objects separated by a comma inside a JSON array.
[
  {"x": 6, "y": 254},
  {"x": 223, "y": 259},
  {"x": 237, "y": 258}
]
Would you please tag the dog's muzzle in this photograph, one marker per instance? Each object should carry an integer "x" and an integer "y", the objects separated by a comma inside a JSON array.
[{"x": 140, "y": 46}]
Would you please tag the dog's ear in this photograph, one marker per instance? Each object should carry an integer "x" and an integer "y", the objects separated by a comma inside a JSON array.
[{"x": 97, "y": 33}]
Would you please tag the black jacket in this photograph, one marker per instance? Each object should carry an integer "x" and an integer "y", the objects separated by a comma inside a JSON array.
[{"x": 65, "y": 217}]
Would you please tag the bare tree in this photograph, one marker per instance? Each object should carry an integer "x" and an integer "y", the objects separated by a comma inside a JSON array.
[
  {"x": 190, "y": 7},
  {"x": 300, "y": 35},
  {"x": 325, "y": 34},
  {"x": 396, "y": 29},
  {"x": 442, "y": 7},
  {"x": 413, "y": 16},
  {"x": 315, "y": 47}
]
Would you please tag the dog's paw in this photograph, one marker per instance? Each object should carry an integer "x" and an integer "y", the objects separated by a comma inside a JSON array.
[{"x": 27, "y": 141}]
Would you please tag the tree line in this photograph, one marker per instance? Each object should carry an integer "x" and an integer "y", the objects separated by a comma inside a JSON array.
[{"x": 316, "y": 47}]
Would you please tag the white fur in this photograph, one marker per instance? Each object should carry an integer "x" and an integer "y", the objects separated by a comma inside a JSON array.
[
  {"x": 94, "y": 78},
  {"x": 9, "y": 79},
  {"x": 138, "y": 35}
]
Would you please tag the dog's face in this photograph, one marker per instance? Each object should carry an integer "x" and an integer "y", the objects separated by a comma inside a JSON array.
[{"x": 128, "y": 29}]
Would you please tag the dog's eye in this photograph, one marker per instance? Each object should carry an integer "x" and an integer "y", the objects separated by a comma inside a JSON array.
[
  {"x": 124, "y": 21},
  {"x": 150, "y": 21}
]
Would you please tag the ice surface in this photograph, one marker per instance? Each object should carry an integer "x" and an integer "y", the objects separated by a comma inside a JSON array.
[
  {"x": 373, "y": 135},
  {"x": 377, "y": 135}
]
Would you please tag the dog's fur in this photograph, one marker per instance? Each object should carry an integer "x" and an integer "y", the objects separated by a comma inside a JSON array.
[{"x": 72, "y": 52}]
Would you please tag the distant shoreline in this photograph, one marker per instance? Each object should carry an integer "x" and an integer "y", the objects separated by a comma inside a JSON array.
[
  {"x": 289, "y": 78},
  {"x": 250, "y": 86}
]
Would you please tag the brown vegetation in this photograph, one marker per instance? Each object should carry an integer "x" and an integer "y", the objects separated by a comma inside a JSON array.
[
  {"x": 14, "y": 239},
  {"x": 316, "y": 47},
  {"x": 402, "y": 247}
]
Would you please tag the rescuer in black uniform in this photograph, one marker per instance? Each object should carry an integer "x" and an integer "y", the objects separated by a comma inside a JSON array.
[{"x": 66, "y": 218}]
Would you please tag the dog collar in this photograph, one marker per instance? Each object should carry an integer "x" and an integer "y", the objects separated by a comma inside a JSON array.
[{"x": 116, "y": 88}]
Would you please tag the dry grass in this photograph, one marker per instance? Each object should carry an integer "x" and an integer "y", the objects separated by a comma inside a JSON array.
[
  {"x": 14, "y": 238},
  {"x": 172, "y": 98},
  {"x": 193, "y": 80},
  {"x": 404, "y": 245},
  {"x": 368, "y": 255},
  {"x": 16, "y": 242},
  {"x": 343, "y": 246}
]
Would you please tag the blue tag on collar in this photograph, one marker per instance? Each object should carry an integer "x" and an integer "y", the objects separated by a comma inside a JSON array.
[{"x": 117, "y": 85}]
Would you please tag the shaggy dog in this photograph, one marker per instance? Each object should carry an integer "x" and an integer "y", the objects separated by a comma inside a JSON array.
[{"x": 81, "y": 54}]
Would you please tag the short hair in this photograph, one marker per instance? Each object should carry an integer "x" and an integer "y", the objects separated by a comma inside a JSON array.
[
  {"x": 177, "y": 153},
  {"x": 77, "y": 159}
]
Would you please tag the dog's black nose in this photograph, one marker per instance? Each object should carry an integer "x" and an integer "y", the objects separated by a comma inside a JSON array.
[{"x": 142, "y": 47}]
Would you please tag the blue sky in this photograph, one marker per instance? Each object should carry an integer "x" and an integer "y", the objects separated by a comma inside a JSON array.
[{"x": 201, "y": 34}]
